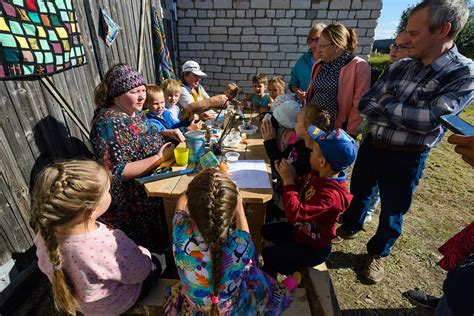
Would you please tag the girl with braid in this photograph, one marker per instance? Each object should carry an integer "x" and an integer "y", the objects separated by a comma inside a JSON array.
[
  {"x": 215, "y": 255},
  {"x": 92, "y": 268}
]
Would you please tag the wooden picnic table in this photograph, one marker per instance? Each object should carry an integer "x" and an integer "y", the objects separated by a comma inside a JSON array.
[{"x": 255, "y": 199}]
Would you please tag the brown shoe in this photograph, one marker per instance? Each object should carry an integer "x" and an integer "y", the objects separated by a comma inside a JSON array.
[
  {"x": 374, "y": 271},
  {"x": 342, "y": 235}
]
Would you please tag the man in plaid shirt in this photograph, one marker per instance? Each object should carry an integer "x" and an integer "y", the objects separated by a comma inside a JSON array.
[{"x": 402, "y": 108}]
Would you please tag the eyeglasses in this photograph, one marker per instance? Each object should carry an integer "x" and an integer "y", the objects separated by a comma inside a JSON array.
[
  {"x": 313, "y": 40},
  {"x": 396, "y": 47},
  {"x": 324, "y": 45}
]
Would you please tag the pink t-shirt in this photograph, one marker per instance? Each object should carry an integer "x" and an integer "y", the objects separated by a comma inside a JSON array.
[{"x": 105, "y": 266}]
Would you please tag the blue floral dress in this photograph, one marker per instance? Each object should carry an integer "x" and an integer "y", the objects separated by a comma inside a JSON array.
[
  {"x": 245, "y": 289},
  {"x": 118, "y": 139}
]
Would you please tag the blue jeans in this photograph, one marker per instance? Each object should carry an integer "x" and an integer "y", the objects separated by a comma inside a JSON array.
[{"x": 396, "y": 173}]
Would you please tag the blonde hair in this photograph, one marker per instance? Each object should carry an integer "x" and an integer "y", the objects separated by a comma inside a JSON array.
[
  {"x": 315, "y": 30},
  {"x": 260, "y": 78},
  {"x": 279, "y": 82},
  {"x": 151, "y": 90},
  {"x": 212, "y": 198},
  {"x": 171, "y": 86},
  {"x": 63, "y": 192},
  {"x": 341, "y": 36},
  {"x": 231, "y": 90}
]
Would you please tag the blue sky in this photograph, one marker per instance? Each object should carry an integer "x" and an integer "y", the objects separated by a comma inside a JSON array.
[{"x": 390, "y": 16}]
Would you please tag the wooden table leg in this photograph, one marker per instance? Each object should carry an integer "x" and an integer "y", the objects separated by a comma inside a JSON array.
[
  {"x": 255, "y": 213},
  {"x": 170, "y": 205}
]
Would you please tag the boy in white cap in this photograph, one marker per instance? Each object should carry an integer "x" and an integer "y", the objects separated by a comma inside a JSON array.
[{"x": 312, "y": 206}]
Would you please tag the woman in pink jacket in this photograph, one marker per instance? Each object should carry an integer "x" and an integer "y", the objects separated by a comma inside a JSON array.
[{"x": 339, "y": 79}]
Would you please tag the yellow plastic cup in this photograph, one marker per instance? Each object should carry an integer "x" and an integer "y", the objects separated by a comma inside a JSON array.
[{"x": 181, "y": 155}]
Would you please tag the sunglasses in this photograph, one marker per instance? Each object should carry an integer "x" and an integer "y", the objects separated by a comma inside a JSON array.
[
  {"x": 397, "y": 47},
  {"x": 313, "y": 40}
]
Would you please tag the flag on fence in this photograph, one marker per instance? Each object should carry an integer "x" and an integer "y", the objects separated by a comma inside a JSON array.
[
  {"x": 163, "y": 63},
  {"x": 38, "y": 37}
]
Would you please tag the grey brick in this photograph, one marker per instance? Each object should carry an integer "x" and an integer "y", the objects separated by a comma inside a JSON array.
[
  {"x": 363, "y": 14},
  {"x": 218, "y": 38},
  {"x": 302, "y": 40},
  {"x": 281, "y": 22},
  {"x": 267, "y": 71},
  {"x": 259, "y": 55},
  {"x": 213, "y": 68},
  {"x": 230, "y": 13},
  {"x": 364, "y": 41},
  {"x": 241, "y": 4},
  {"x": 360, "y": 32},
  {"x": 262, "y": 22},
  {"x": 275, "y": 63},
  {"x": 196, "y": 46},
  {"x": 221, "y": 13},
  {"x": 350, "y": 23},
  {"x": 181, "y": 14},
  {"x": 200, "y": 30},
  {"x": 352, "y": 14},
  {"x": 265, "y": 63},
  {"x": 222, "y": 54},
  {"x": 183, "y": 47},
  {"x": 280, "y": 4},
  {"x": 367, "y": 23},
  {"x": 259, "y": 13},
  {"x": 250, "y": 47},
  {"x": 300, "y": 14},
  {"x": 217, "y": 30},
  {"x": 343, "y": 14},
  {"x": 268, "y": 39},
  {"x": 270, "y": 13},
  {"x": 203, "y": 4},
  {"x": 234, "y": 30},
  {"x": 202, "y": 22},
  {"x": 249, "y": 39},
  {"x": 214, "y": 46},
  {"x": 356, "y": 4},
  {"x": 290, "y": 14},
  {"x": 322, "y": 14},
  {"x": 260, "y": 4},
  {"x": 287, "y": 39},
  {"x": 187, "y": 38},
  {"x": 204, "y": 38},
  {"x": 257, "y": 63},
  {"x": 248, "y": 31},
  {"x": 375, "y": 14},
  {"x": 223, "y": 4},
  {"x": 221, "y": 76},
  {"x": 370, "y": 33},
  {"x": 373, "y": 5},
  {"x": 288, "y": 48},
  {"x": 234, "y": 39},
  {"x": 231, "y": 47},
  {"x": 311, "y": 14},
  {"x": 238, "y": 63},
  {"x": 300, "y": 4},
  {"x": 211, "y": 82},
  {"x": 269, "y": 48},
  {"x": 222, "y": 61},
  {"x": 340, "y": 4},
  {"x": 250, "y": 13},
  {"x": 276, "y": 56},
  {"x": 191, "y": 13},
  {"x": 211, "y": 13},
  {"x": 284, "y": 63},
  {"x": 332, "y": 15},
  {"x": 223, "y": 22},
  {"x": 188, "y": 54},
  {"x": 183, "y": 30},
  {"x": 231, "y": 70},
  {"x": 238, "y": 76},
  {"x": 185, "y": 4},
  {"x": 302, "y": 31},
  {"x": 243, "y": 22},
  {"x": 202, "y": 14},
  {"x": 280, "y": 14},
  {"x": 203, "y": 54},
  {"x": 186, "y": 22},
  {"x": 248, "y": 62},
  {"x": 265, "y": 30},
  {"x": 240, "y": 13},
  {"x": 320, "y": 5},
  {"x": 284, "y": 31},
  {"x": 292, "y": 56},
  {"x": 298, "y": 23}
]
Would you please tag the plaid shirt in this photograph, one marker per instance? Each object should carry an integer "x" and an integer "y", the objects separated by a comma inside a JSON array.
[{"x": 416, "y": 96}]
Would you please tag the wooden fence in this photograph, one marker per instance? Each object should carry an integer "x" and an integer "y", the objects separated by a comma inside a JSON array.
[{"x": 35, "y": 129}]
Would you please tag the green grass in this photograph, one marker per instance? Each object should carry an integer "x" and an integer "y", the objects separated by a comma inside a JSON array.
[{"x": 379, "y": 60}]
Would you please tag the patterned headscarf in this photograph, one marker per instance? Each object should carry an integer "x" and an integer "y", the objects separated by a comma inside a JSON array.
[{"x": 123, "y": 79}]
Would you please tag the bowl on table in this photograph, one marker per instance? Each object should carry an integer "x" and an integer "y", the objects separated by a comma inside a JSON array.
[
  {"x": 232, "y": 156},
  {"x": 248, "y": 129}
]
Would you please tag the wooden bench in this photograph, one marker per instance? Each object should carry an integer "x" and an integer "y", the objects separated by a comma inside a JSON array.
[{"x": 316, "y": 297}]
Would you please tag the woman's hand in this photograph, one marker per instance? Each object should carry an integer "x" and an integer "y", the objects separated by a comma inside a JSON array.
[
  {"x": 175, "y": 134},
  {"x": 267, "y": 130},
  {"x": 165, "y": 152},
  {"x": 286, "y": 171}
]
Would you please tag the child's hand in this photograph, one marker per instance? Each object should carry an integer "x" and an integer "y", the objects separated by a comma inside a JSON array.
[
  {"x": 286, "y": 171},
  {"x": 195, "y": 125},
  {"x": 267, "y": 130},
  {"x": 182, "y": 203},
  {"x": 300, "y": 94}
]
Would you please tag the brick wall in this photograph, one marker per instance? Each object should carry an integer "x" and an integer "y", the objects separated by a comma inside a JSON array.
[{"x": 234, "y": 40}]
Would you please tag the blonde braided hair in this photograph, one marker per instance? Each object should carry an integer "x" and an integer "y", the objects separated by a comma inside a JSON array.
[
  {"x": 63, "y": 192},
  {"x": 212, "y": 198}
]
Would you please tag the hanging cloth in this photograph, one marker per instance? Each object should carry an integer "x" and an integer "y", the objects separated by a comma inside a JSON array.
[{"x": 163, "y": 64}]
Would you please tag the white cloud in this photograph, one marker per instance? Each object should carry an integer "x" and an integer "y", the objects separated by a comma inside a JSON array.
[{"x": 394, "y": 22}]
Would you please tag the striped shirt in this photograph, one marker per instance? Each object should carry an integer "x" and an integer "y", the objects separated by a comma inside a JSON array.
[{"x": 416, "y": 96}]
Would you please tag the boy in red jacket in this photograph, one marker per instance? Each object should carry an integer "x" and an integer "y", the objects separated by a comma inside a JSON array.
[{"x": 312, "y": 206}]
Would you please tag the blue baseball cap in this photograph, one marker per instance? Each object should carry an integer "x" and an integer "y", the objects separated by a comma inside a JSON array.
[{"x": 339, "y": 149}]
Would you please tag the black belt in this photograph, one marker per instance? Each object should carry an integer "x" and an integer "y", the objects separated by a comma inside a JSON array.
[{"x": 377, "y": 143}]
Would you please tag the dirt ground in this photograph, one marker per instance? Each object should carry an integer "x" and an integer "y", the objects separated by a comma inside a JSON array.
[{"x": 443, "y": 205}]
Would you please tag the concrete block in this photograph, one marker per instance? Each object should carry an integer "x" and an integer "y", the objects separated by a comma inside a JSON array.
[
  {"x": 259, "y": 13},
  {"x": 249, "y": 39},
  {"x": 276, "y": 56},
  {"x": 275, "y": 63},
  {"x": 238, "y": 76},
  {"x": 352, "y": 14},
  {"x": 293, "y": 56},
  {"x": 218, "y": 38},
  {"x": 234, "y": 30},
  {"x": 200, "y": 30},
  {"x": 311, "y": 14},
  {"x": 375, "y": 14},
  {"x": 270, "y": 13},
  {"x": 222, "y": 54},
  {"x": 233, "y": 39},
  {"x": 288, "y": 48},
  {"x": 247, "y": 70},
  {"x": 205, "y": 54},
  {"x": 243, "y": 22},
  {"x": 181, "y": 14},
  {"x": 280, "y": 4},
  {"x": 239, "y": 55},
  {"x": 223, "y": 4},
  {"x": 320, "y": 5},
  {"x": 332, "y": 15},
  {"x": 183, "y": 46},
  {"x": 260, "y": 4},
  {"x": 185, "y": 4},
  {"x": 183, "y": 30},
  {"x": 250, "y": 13},
  {"x": 247, "y": 62},
  {"x": 356, "y": 4},
  {"x": 340, "y": 4},
  {"x": 191, "y": 13},
  {"x": 301, "y": 23},
  {"x": 211, "y": 13},
  {"x": 213, "y": 68},
  {"x": 367, "y": 23},
  {"x": 350, "y": 23},
  {"x": 203, "y": 4},
  {"x": 284, "y": 31},
  {"x": 342, "y": 14},
  {"x": 265, "y": 30},
  {"x": 240, "y": 13},
  {"x": 204, "y": 38},
  {"x": 239, "y": 63},
  {"x": 214, "y": 46},
  {"x": 187, "y": 38},
  {"x": 262, "y": 22},
  {"x": 300, "y": 4},
  {"x": 204, "y": 22},
  {"x": 363, "y": 14},
  {"x": 231, "y": 47},
  {"x": 217, "y": 30},
  {"x": 268, "y": 48},
  {"x": 202, "y": 14},
  {"x": 300, "y": 14},
  {"x": 287, "y": 39},
  {"x": 268, "y": 39},
  {"x": 257, "y": 63},
  {"x": 303, "y": 31},
  {"x": 372, "y": 5},
  {"x": 186, "y": 22},
  {"x": 302, "y": 40},
  {"x": 196, "y": 46},
  {"x": 290, "y": 14},
  {"x": 284, "y": 63},
  {"x": 248, "y": 31},
  {"x": 267, "y": 71},
  {"x": 250, "y": 47},
  {"x": 360, "y": 32},
  {"x": 259, "y": 55},
  {"x": 281, "y": 22},
  {"x": 187, "y": 54},
  {"x": 223, "y": 22},
  {"x": 221, "y": 75},
  {"x": 231, "y": 70},
  {"x": 265, "y": 63},
  {"x": 241, "y": 4},
  {"x": 279, "y": 14},
  {"x": 370, "y": 33},
  {"x": 221, "y": 13},
  {"x": 322, "y": 14}
]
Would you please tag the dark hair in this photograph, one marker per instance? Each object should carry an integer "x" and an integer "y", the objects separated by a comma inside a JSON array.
[
  {"x": 212, "y": 198},
  {"x": 260, "y": 78},
  {"x": 442, "y": 11},
  {"x": 316, "y": 115}
]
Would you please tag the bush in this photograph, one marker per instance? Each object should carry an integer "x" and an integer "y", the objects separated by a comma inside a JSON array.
[{"x": 379, "y": 60}]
